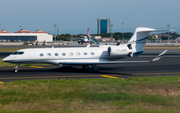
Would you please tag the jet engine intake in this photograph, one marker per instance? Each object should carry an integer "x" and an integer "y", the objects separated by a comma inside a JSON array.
[
  {"x": 130, "y": 54},
  {"x": 129, "y": 46},
  {"x": 117, "y": 51}
]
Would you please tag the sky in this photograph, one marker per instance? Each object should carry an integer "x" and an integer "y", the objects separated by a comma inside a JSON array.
[{"x": 74, "y": 16}]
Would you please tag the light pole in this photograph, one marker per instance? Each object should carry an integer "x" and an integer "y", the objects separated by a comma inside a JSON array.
[
  {"x": 168, "y": 32},
  {"x": 58, "y": 32},
  {"x": 123, "y": 31},
  {"x": 160, "y": 37},
  {"x": 111, "y": 32},
  {"x": 55, "y": 31}
]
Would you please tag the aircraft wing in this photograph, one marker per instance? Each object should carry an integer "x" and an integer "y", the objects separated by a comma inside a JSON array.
[{"x": 96, "y": 62}]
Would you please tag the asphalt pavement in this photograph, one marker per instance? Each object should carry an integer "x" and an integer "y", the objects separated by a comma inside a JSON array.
[
  {"x": 166, "y": 66},
  {"x": 169, "y": 64}
]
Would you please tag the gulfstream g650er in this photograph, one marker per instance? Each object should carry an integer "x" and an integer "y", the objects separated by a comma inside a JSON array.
[{"x": 85, "y": 56}]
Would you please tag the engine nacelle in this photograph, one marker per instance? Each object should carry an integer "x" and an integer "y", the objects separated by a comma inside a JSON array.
[{"x": 118, "y": 51}]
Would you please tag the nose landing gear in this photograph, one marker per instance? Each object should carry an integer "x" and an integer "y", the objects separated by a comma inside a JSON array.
[{"x": 16, "y": 68}]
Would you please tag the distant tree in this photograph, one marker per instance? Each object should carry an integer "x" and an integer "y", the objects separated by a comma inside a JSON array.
[{"x": 174, "y": 35}]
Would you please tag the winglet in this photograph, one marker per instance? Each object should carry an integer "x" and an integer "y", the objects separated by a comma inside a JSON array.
[{"x": 159, "y": 56}]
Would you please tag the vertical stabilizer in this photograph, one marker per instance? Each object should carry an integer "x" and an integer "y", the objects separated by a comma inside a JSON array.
[
  {"x": 139, "y": 38},
  {"x": 88, "y": 34},
  {"x": 88, "y": 31}
]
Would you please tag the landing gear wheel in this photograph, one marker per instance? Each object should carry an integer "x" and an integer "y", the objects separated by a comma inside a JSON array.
[
  {"x": 16, "y": 68},
  {"x": 85, "y": 67},
  {"x": 95, "y": 69}
]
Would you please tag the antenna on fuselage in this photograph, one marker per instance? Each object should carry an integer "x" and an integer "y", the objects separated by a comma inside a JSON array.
[{"x": 88, "y": 45}]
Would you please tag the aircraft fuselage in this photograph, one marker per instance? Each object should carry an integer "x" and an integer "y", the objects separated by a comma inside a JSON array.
[{"x": 58, "y": 55}]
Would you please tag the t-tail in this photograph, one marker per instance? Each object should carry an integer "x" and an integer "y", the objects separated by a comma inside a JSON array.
[{"x": 139, "y": 39}]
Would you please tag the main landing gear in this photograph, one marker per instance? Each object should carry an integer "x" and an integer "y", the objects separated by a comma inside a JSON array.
[
  {"x": 93, "y": 67},
  {"x": 16, "y": 68}
]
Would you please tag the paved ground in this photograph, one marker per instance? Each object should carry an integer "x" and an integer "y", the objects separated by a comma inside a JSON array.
[{"x": 166, "y": 66}]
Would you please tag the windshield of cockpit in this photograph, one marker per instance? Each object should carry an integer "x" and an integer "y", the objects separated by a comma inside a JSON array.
[{"x": 18, "y": 53}]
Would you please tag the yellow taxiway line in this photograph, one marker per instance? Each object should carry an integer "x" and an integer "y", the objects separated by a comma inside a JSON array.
[
  {"x": 50, "y": 77},
  {"x": 36, "y": 66},
  {"x": 109, "y": 76}
]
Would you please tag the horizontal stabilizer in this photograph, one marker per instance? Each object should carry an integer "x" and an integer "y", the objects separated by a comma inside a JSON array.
[{"x": 159, "y": 56}]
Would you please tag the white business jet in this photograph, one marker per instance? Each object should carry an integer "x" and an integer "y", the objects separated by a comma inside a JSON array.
[{"x": 86, "y": 56}]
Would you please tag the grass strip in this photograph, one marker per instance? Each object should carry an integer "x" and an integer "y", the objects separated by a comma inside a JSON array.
[
  {"x": 12, "y": 49},
  {"x": 5, "y": 64},
  {"x": 138, "y": 94}
]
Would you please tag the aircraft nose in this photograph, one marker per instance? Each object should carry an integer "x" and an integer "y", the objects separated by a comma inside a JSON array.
[{"x": 5, "y": 59}]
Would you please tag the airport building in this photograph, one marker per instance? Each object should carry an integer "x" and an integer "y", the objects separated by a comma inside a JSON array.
[
  {"x": 24, "y": 35},
  {"x": 103, "y": 25}
]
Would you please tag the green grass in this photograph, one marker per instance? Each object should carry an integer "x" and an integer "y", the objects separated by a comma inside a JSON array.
[
  {"x": 12, "y": 49},
  {"x": 142, "y": 94},
  {"x": 5, "y": 64}
]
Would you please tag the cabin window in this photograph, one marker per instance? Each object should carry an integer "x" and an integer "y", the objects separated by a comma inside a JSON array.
[
  {"x": 49, "y": 54},
  {"x": 78, "y": 53},
  {"x": 56, "y": 54},
  {"x": 85, "y": 53},
  {"x": 92, "y": 53},
  {"x": 41, "y": 54},
  {"x": 71, "y": 54},
  {"x": 63, "y": 54}
]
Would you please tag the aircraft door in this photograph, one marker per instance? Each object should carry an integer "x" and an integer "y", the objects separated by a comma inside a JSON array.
[{"x": 31, "y": 55}]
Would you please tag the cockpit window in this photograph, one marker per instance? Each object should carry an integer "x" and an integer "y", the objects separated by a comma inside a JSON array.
[
  {"x": 15, "y": 53},
  {"x": 18, "y": 53}
]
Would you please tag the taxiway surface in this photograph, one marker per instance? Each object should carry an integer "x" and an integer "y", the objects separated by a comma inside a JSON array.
[{"x": 166, "y": 66}]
